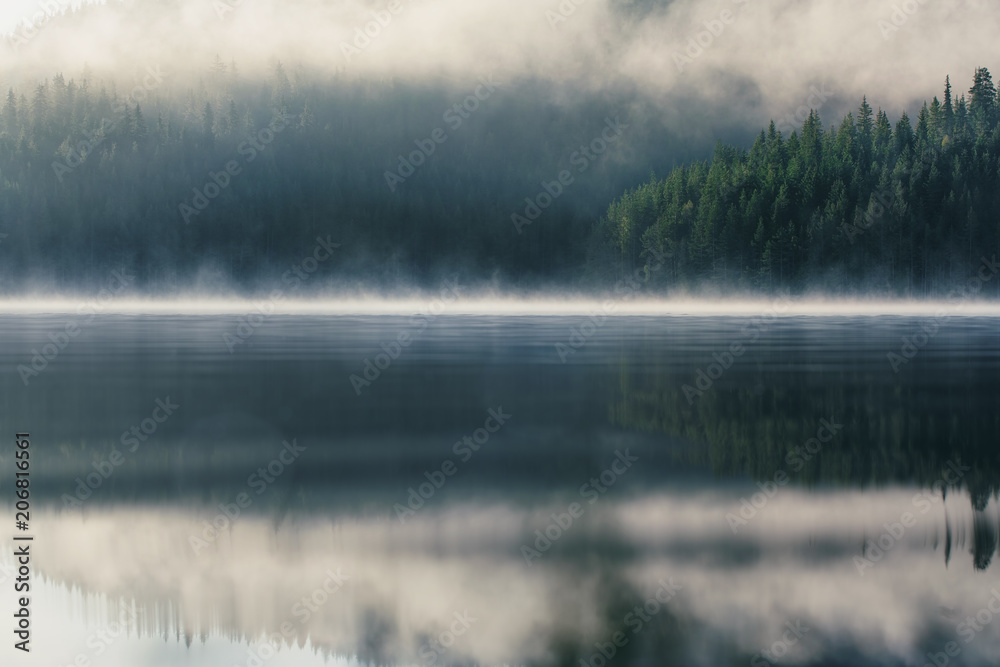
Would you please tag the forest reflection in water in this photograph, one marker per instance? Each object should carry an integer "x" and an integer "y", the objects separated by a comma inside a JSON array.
[{"x": 808, "y": 484}]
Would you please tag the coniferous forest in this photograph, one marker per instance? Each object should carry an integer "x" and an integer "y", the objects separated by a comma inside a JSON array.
[
  {"x": 99, "y": 176},
  {"x": 229, "y": 181},
  {"x": 895, "y": 207}
]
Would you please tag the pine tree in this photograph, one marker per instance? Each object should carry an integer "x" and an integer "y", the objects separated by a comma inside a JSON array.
[
  {"x": 9, "y": 113},
  {"x": 306, "y": 119},
  {"x": 883, "y": 137},
  {"x": 282, "y": 88},
  {"x": 60, "y": 97},
  {"x": 141, "y": 131},
  {"x": 208, "y": 125},
  {"x": 865, "y": 123},
  {"x": 949, "y": 111},
  {"x": 961, "y": 116},
  {"x": 217, "y": 68},
  {"x": 40, "y": 107},
  {"x": 935, "y": 119},
  {"x": 866, "y": 136},
  {"x": 983, "y": 100},
  {"x": 127, "y": 130},
  {"x": 923, "y": 127},
  {"x": 233, "y": 122}
]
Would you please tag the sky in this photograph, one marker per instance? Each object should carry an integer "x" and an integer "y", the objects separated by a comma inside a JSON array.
[{"x": 758, "y": 58}]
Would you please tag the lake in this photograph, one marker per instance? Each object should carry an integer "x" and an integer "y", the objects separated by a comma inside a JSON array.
[{"x": 546, "y": 487}]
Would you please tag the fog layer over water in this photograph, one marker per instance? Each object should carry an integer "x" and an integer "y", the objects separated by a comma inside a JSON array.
[{"x": 474, "y": 302}]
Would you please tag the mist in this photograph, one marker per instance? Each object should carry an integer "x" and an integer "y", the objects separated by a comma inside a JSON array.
[
  {"x": 672, "y": 78},
  {"x": 762, "y": 63}
]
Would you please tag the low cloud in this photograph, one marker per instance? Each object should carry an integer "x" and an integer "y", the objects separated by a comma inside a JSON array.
[{"x": 761, "y": 63}]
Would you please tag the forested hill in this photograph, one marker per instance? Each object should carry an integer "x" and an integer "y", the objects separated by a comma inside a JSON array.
[
  {"x": 223, "y": 178},
  {"x": 226, "y": 181},
  {"x": 866, "y": 205}
]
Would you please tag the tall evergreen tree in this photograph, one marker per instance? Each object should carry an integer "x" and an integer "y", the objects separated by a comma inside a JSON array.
[
  {"x": 9, "y": 113},
  {"x": 208, "y": 125},
  {"x": 949, "y": 110},
  {"x": 983, "y": 100}
]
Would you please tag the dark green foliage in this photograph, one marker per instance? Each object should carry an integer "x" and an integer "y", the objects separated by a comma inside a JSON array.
[
  {"x": 118, "y": 206},
  {"x": 860, "y": 206},
  {"x": 897, "y": 208}
]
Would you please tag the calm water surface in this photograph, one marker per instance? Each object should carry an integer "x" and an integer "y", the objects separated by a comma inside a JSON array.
[{"x": 508, "y": 490}]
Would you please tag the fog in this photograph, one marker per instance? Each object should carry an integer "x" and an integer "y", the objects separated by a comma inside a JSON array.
[
  {"x": 762, "y": 63},
  {"x": 500, "y": 305}
]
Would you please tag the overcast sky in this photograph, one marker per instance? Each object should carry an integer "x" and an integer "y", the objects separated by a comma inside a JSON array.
[{"x": 764, "y": 60}]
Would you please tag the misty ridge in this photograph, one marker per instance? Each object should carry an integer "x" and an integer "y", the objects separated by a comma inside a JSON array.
[{"x": 239, "y": 148}]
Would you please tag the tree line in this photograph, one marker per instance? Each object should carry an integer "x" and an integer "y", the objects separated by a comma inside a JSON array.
[
  {"x": 863, "y": 205},
  {"x": 227, "y": 180}
]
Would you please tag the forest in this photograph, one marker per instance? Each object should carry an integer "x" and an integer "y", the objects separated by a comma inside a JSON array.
[
  {"x": 866, "y": 205},
  {"x": 223, "y": 183}
]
